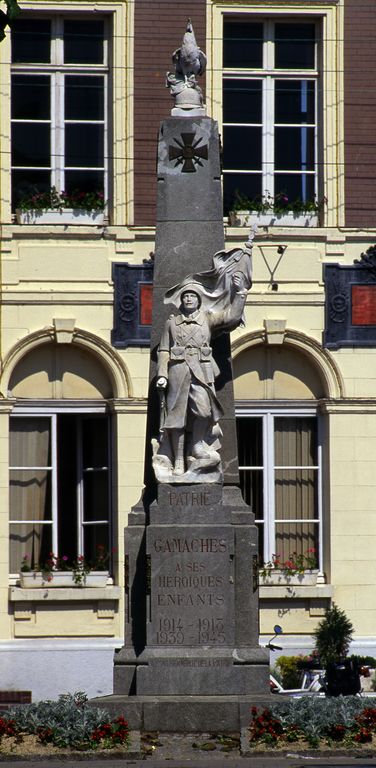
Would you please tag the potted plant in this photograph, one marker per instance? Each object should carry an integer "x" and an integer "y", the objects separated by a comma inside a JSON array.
[
  {"x": 266, "y": 210},
  {"x": 61, "y": 572},
  {"x": 297, "y": 569},
  {"x": 53, "y": 207},
  {"x": 333, "y": 637}
]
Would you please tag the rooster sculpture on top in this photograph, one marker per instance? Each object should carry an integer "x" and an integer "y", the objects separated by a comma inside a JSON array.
[{"x": 189, "y": 61}]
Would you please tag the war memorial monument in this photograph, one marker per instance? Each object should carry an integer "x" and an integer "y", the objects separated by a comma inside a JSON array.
[{"x": 191, "y": 659}]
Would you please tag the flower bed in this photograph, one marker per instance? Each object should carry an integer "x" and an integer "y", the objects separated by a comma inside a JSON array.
[
  {"x": 344, "y": 722},
  {"x": 67, "y": 724}
]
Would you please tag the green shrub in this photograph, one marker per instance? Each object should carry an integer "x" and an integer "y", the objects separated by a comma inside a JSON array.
[
  {"x": 333, "y": 636},
  {"x": 289, "y": 673}
]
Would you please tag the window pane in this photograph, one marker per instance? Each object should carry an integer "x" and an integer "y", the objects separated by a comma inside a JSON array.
[
  {"x": 95, "y": 496},
  {"x": 294, "y": 148},
  {"x": 295, "y": 46},
  {"x": 84, "y": 98},
  {"x": 30, "y": 97},
  {"x": 295, "y": 489},
  {"x": 31, "y": 144},
  {"x": 31, "y": 40},
  {"x": 95, "y": 536},
  {"x": 295, "y": 441},
  {"x": 251, "y": 484},
  {"x": 30, "y": 494},
  {"x": 30, "y": 442},
  {"x": 295, "y": 494},
  {"x": 242, "y": 148},
  {"x": 249, "y": 433},
  {"x": 67, "y": 484},
  {"x": 296, "y": 186},
  {"x": 247, "y": 184},
  {"x": 83, "y": 41},
  {"x": 84, "y": 145},
  {"x": 27, "y": 182},
  {"x": 35, "y": 541},
  {"x": 242, "y": 101},
  {"x": 242, "y": 44},
  {"x": 296, "y": 539},
  {"x": 84, "y": 181},
  {"x": 294, "y": 101},
  {"x": 95, "y": 442}
]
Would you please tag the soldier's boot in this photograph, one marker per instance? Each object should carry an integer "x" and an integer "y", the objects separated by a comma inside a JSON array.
[
  {"x": 177, "y": 439},
  {"x": 199, "y": 448}
]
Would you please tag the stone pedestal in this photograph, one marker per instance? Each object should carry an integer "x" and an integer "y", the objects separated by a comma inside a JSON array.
[{"x": 201, "y": 630}]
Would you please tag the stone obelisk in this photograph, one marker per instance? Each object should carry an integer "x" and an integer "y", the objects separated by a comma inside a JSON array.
[{"x": 191, "y": 656}]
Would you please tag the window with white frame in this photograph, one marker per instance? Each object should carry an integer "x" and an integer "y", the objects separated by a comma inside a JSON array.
[
  {"x": 59, "y": 486},
  {"x": 280, "y": 475},
  {"x": 59, "y": 106},
  {"x": 270, "y": 109}
]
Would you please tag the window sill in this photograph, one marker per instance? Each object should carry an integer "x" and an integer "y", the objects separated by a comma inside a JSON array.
[
  {"x": 66, "y": 594},
  {"x": 61, "y": 216},
  {"x": 279, "y": 578},
  {"x": 291, "y": 592},
  {"x": 247, "y": 219}
]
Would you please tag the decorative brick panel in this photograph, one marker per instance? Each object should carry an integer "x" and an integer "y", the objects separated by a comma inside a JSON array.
[
  {"x": 159, "y": 29},
  {"x": 360, "y": 113}
]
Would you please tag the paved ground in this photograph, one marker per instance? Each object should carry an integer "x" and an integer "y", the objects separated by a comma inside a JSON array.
[
  {"x": 172, "y": 750},
  {"x": 295, "y": 761}
]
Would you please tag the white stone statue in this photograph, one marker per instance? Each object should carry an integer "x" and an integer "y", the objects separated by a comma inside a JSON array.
[
  {"x": 189, "y": 61},
  {"x": 207, "y": 303}
]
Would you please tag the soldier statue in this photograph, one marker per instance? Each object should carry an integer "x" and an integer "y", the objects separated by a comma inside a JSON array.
[{"x": 208, "y": 303}]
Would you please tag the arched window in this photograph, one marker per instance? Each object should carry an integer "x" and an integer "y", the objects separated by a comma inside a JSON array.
[
  {"x": 60, "y": 456},
  {"x": 280, "y": 449}
]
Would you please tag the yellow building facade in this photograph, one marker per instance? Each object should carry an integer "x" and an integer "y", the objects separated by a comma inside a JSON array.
[{"x": 64, "y": 385}]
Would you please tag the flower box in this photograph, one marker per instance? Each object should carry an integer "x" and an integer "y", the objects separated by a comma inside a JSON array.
[
  {"x": 288, "y": 219},
  {"x": 277, "y": 577},
  {"x": 37, "y": 579},
  {"x": 61, "y": 216}
]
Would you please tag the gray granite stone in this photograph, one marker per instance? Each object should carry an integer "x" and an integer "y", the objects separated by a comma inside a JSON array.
[
  {"x": 183, "y": 714},
  {"x": 181, "y": 504},
  {"x": 201, "y": 605},
  {"x": 177, "y": 176},
  {"x": 184, "y": 679},
  {"x": 192, "y": 586}
]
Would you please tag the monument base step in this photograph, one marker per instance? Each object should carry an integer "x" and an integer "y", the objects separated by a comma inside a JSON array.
[{"x": 184, "y": 714}]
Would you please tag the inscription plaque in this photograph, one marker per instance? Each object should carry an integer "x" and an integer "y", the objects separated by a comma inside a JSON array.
[
  {"x": 363, "y": 304},
  {"x": 192, "y": 599},
  {"x": 133, "y": 291},
  {"x": 350, "y": 303},
  {"x": 146, "y": 303}
]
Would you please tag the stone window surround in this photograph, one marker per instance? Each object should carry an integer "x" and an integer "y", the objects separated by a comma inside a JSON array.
[
  {"x": 277, "y": 410},
  {"x": 330, "y": 12},
  {"x": 51, "y": 411},
  {"x": 121, "y": 14}
]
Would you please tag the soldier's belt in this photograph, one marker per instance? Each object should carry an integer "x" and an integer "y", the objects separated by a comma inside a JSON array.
[{"x": 181, "y": 353}]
